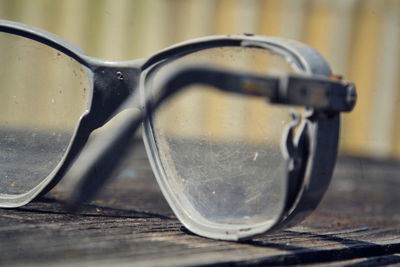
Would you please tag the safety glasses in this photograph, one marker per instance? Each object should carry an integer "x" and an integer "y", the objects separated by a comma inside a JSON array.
[{"x": 241, "y": 131}]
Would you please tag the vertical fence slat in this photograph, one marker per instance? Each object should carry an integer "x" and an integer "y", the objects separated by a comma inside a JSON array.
[
  {"x": 362, "y": 70},
  {"x": 293, "y": 19},
  {"x": 386, "y": 94}
]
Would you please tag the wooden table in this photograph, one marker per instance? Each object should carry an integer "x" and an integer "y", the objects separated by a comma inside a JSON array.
[{"x": 130, "y": 223}]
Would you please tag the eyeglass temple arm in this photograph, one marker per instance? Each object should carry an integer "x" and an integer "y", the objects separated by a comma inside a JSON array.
[
  {"x": 316, "y": 92},
  {"x": 94, "y": 166}
]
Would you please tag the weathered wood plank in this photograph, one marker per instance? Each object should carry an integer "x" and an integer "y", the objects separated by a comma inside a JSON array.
[{"x": 130, "y": 222}]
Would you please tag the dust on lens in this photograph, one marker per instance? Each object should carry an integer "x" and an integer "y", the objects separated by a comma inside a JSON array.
[
  {"x": 43, "y": 94},
  {"x": 220, "y": 152}
]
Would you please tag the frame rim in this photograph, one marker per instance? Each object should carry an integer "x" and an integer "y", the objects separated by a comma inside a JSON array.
[
  {"x": 313, "y": 64},
  {"x": 57, "y": 43},
  {"x": 98, "y": 96}
]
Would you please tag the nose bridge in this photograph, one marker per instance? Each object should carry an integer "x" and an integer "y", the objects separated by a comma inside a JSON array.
[{"x": 112, "y": 86}]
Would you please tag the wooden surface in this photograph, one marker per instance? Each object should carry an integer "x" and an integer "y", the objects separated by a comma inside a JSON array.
[{"x": 357, "y": 224}]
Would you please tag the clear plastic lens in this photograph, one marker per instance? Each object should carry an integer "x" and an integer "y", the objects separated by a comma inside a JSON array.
[
  {"x": 43, "y": 93},
  {"x": 220, "y": 153}
]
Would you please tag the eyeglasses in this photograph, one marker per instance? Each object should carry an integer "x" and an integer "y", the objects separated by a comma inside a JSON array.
[{"x": 241, "y": 131}]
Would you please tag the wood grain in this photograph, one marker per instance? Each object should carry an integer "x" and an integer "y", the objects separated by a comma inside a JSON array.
[{"x": 130, "y": 223}]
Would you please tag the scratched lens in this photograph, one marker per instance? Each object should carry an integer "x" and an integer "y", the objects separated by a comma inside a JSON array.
[
  {"x": 43, "y": 93},
  {"x": 220, "y": 155}
]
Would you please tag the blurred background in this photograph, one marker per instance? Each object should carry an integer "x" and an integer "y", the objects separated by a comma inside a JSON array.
[{"x": 359, "y": 38}]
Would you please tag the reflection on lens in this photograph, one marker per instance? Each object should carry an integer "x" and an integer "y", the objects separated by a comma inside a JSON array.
[
  {"x": 42, "y": 96},
  {"x": 220, "y": 152}
]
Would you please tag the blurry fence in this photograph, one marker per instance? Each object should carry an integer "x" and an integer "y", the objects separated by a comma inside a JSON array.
[{"x": 360, "y": 39}]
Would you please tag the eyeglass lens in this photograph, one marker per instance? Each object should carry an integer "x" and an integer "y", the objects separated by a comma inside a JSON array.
[
  {"x": 42, "y": 96},
  {"x": 220, "y": 152}
]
